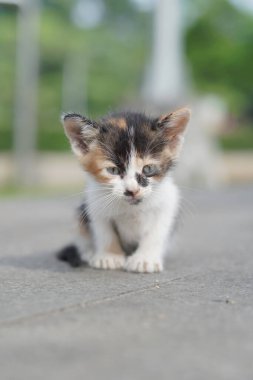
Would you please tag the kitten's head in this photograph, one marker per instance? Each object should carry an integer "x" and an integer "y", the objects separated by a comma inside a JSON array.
[{"x": 128, "y": 151}]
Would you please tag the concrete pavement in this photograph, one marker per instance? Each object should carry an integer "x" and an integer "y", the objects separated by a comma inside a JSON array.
[{"x": 193, "y": 321}]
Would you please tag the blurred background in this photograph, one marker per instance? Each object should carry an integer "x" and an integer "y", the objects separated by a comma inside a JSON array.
[{"x": 94, "y": 56}]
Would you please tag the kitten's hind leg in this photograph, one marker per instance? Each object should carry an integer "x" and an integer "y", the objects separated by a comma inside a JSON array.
[
  {"x": 79, "y": 253},
  {"x": 84, "y": 240}
]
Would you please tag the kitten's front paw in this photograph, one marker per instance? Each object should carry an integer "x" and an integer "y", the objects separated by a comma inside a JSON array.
[
  {"x": 143, "y": 264},
  {"x": 107, "y": 261}
]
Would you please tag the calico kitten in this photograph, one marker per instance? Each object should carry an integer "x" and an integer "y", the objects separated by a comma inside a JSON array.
[{"x": 131, "y": 200}]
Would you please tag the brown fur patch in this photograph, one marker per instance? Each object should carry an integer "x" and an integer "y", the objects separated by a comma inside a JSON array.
[
  {"x": 94, "y": 162},
  {"x": 165, "y": 162},
  {"x": 83, "y": 230},
  {"x": 114, "y": 247},
  {"x": 175, "y": 123},
  {"x": 162, "y": 161},
  {"x": 118, "y": 122},
  {"x": 146, "y": 160}
]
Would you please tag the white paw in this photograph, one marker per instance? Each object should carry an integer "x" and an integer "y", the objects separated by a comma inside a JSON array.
[
  {"x": 107, "y": 261},
  {"x": 143, "y": 264}
]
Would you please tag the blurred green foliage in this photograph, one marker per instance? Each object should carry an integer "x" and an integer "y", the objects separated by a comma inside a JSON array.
[
  {"x": 114, "y": 57},
  {"x": 238, "y": 138},
  {"x": 7, "y": 77},
  {"x": 220, "y": 50}
]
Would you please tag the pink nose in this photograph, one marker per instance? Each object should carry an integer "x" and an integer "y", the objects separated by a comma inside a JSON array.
[{"x": 132, "y": 193}]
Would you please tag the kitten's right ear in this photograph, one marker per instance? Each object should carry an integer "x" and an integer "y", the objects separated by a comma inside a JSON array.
[{"x": 80, "y": 132}]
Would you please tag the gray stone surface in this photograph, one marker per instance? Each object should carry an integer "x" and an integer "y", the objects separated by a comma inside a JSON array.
[{"x": 193, "y": 321}]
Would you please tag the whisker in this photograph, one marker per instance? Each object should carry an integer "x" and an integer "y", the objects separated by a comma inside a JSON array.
[
  {"x": 72, "y": 195},
  {"x": 96, "y": 211}
]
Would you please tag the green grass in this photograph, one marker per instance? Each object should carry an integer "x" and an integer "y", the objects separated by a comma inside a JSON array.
[
  {"x": 5, "y": 139},
  {"x": 53, "y": 140},
  {"x": 238, "y": 139},
  {"x": 13, "y": 191}
]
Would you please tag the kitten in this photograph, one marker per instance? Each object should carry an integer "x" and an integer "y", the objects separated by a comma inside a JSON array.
[{"x": 131, "y": 200}]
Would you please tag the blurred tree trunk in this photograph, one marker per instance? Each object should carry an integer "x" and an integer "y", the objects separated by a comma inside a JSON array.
[
  {"x": 27, "y": 73},
  {"x": 165, "y": 80}
]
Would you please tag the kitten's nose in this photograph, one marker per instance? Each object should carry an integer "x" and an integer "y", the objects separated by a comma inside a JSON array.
[
  {"x": 131, "y": 193},
  {"x": 131, "y": 187}
]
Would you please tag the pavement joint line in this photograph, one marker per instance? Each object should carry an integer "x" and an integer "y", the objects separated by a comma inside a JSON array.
[{"x": 82, "y": 305}]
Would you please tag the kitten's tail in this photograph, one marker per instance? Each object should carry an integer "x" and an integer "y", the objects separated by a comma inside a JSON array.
[{"x": 71, "y": 255}]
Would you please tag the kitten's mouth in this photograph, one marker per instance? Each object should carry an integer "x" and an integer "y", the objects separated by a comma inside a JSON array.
[{"x": 133, "y": 201}]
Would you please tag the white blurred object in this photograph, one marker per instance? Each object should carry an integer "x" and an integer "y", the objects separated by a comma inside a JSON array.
[
  {"x": 74, "y": 81},
  {"x": 245, "y": 5},
  {"x": 11, "y": 2},
  {"x": 165, "y": 82},
  {"x": 88, "y": 13},
  {"x": 166, "y": 87},
  {"x": 201, "y": 157},
  {"x": 144, "y": 5},
  {"x": 27, "y": 81}
]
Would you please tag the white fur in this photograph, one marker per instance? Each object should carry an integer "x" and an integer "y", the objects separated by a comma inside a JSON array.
[{"x": 149, "y": 223}]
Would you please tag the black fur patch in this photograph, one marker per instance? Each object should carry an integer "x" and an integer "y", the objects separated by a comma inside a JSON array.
[
  {"x": 139, "y": 132},
  {"x": 142, "y": 180},
  {"x": 83, "y": 215},
  {"x": 72, "y": 115},
  {"x": 80, "y": 117},
  {"x": 70, "y": 255}
]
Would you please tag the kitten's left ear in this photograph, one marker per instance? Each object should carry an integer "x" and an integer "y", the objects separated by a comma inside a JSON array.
[
  {"x": 80, "y": 132},
  {"x": 174, "y": 125}
]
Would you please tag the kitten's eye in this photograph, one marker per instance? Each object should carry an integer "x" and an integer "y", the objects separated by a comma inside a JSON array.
[
  {"x": 149, "y": 170},
  {"x": 113, "y": 170}
]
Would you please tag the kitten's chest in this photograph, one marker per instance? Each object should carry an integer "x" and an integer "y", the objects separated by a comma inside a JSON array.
[{"x": 131, "y": 226}]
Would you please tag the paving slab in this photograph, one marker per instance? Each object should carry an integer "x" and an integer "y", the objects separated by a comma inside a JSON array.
[{"x": 193, "y": 321}]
